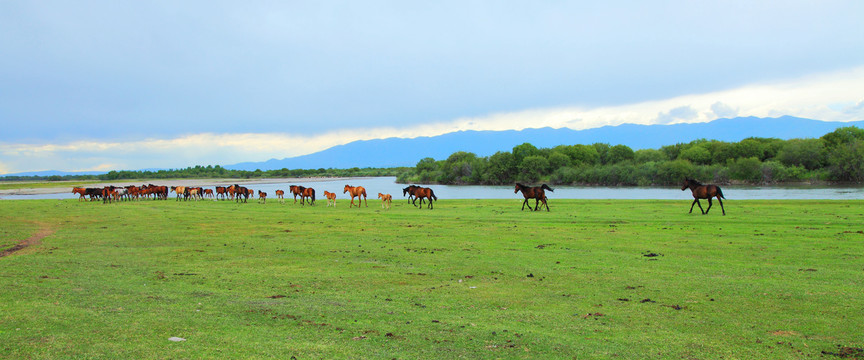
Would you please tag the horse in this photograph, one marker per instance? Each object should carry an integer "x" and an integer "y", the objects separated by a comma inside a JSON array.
[
  {"x": 108, "y": 193},
  {"x": 386, "y": 199},
  {"x": 262, "y": 197},
  {"x": 280, "y": 194},
  {"x": 179, "y": 190},
  {"x": 331, "y": 198},
  {"x": 537, "y": 193},
  {"x": 703, "y": 192},
  {"x": 421, "y": 193},
  {"x": 409, "y": 191},
  {"x": 296, "y": 190},
  {"x": 80, "y": 191},
  {"x": 357, "y": 191},
  {"x": 221, "y": 191},
  {"x": 240, "y": 193},
  {"x": 307, "y": 193},
  {"x": 208, "y": 193}
]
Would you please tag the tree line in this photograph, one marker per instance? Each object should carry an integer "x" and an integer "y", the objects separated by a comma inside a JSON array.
[
  {"x": 217, "y": 172},
  {"x": 837, "y": 156}
]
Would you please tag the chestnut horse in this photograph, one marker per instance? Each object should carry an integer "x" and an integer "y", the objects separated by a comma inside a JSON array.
[
  {"x": 386, "y": 199},
  {"x": 80, "y": 191},
  {"x": 703, "y": 192},
  {"x": 357, "y": 191},
  {"x": 421, "y": 193},
  {"x": 262, "y": 197},
  {"x": 280, "y": 194},
  {"x": 537, "y": 193},
  {"x": 222, "y": 192},
  {"x": 331, "y": 198}
]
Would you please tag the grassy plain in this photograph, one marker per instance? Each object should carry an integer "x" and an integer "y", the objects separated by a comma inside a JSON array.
[{"x": 469, "y": 279}]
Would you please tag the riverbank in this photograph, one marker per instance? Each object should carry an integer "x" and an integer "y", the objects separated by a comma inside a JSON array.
[{"x": 62, "y": 187}]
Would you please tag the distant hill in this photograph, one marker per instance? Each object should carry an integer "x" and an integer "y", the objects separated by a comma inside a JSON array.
[
  {"x": 54, "y": 172},
  {"x": 393, "y": 152}
]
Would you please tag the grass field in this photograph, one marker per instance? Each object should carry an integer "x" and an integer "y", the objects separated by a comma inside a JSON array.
[{"x": 469, "y": 279}]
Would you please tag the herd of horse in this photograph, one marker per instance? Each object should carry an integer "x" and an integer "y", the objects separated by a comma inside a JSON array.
[{"x": 239, "y": 193}]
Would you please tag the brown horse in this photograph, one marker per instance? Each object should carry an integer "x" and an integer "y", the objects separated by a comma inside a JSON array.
[
  {"x": 386, "y": 199},
  {"x": 357, "y": 191},
  {"x": 331, "y": 198},
  {"x": 80, "y": 191},
  {"x": 307, "y": 193},
  {"x": 280, "y": 194},
  {"x": 537, "y": 193},
  {"x": 262, "y": 197},
  {"x": 703, "y": 192},
  {"x": 179, "y": 190},
  {"x": 240, "y": 193},
  {"x": 297, "y": 190},
  {"x": 422, "y": 193},
  {"x": 410, "y": 192},
  {"x": 221, "y": 191},
  {"x": 208, "y": 193}
]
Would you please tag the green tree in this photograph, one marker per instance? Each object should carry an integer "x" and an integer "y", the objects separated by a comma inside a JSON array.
[
  {"x": 525, "y": 150},
  {"x": 809, "y": 153},
  {"x": 619, "y": 153},
  {"x": 696, "y": 154},
  {"x": 649, "y": 155},
  {"x": 502, "y": 169},
  {"x": 533, "y": 168}
]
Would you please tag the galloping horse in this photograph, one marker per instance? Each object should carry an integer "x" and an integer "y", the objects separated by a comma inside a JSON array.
[
  {"x": 421, "y": 193},
  {"x": 357, "y": 191},
  {"x": 331, "y": 198},
  {"x": 409, "y": 191},
  {"x": 280, "y": 194},
  {"x": 703, "y": 192},
  {"x": 537, "y": 193},
  {"x": 386, "y": 199},
  {"x": 262, "y": 197},
  {"x": 307, "y": 193}
]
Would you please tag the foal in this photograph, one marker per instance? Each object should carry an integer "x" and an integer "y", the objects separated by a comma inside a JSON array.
[{"x": 386, "y": 199}]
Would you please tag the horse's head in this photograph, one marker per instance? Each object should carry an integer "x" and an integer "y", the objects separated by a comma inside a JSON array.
[
  {"x": 518, "y": 187},
  {"x": 347, "y": 187},
  {"x": 687, "y": 183}
]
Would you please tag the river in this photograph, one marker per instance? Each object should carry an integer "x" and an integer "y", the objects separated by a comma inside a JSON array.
[{"x": 388, "y": 185}]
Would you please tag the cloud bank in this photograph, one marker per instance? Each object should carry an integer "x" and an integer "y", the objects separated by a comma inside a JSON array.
[{"x": 836, "y": 96}]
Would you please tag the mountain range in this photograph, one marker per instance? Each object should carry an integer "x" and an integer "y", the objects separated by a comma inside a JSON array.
[{"x": 392, "y": 152}]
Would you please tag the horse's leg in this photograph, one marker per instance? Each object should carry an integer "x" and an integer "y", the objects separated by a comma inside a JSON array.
[
  {"x": 693, "y": 204},
  {"x": 709, "y": 205},
  {"x": 700, "y": 206},
  {"x": 547, "y": 205},
  {"x": 524, "y": 203},
  {"x": 421, "y": 203},
  {"x": 721, "y": 205}
]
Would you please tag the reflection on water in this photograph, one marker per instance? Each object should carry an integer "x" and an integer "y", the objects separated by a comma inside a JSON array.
[{"x": 388, "y": 185}]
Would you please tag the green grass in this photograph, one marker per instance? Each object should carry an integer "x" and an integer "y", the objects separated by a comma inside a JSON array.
[{"x": 469, "y": 279}]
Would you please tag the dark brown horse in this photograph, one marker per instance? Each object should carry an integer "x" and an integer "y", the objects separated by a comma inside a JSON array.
[
  {"x": 703, "y": 192},
  {"x": 297, "y": 190},
  {"x": 537, "y": 193},
  {"x": 409, "y": 191},
  {"x": 240, "y": 193},
  {"x": 422, "y": 193}
]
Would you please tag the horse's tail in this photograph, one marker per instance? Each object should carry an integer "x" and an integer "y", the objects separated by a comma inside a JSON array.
[
  {"x": 546, "y": 187},
  {"x": 720, "y": 193},
  {"x": 432, "y": 194},
  {"x": 313, "y": 195}
]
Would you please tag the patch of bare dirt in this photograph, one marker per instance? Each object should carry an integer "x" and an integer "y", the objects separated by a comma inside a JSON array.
[{"x": 32, "y": 240}]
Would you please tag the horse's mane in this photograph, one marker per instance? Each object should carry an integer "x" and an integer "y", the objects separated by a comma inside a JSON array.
[{"x": 695, "y": 182}]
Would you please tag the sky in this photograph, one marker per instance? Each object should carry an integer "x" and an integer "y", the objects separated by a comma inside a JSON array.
[{"x": 113, "y": 85}]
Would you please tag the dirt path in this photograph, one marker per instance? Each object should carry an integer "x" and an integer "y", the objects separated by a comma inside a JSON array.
[{"x": 32, "y": 240}]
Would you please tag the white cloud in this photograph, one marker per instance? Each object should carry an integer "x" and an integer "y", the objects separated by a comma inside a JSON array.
[{"x": 812, "y": 97}]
